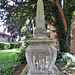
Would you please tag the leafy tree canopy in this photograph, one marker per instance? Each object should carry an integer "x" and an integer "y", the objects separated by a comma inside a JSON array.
[{"x": 57, "y": 14}]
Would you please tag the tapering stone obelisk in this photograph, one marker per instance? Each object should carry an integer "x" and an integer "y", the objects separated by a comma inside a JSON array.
[
  {"x": 40, "y": 18},
  {"x": 40, "y": 55}
]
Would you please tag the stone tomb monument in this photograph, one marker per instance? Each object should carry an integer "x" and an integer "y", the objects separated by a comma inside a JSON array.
[{"x": 40, "y": 55}]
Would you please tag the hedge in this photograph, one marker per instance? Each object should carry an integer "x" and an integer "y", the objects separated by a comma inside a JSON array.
[
  {"x": 14, "y": 45},
  {"x": 4, "y": 45}
]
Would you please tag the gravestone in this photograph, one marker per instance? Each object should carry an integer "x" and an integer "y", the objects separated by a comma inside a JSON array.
[{"x": 40, "y": 54}]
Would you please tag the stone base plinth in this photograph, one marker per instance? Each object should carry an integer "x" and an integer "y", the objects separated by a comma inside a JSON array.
[
  {"x": 38, "y": 73},
  {"x": 56, "y": 71}
]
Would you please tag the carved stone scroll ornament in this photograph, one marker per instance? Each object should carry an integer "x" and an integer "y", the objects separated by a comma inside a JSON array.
[{"x": 41, "y": 59}]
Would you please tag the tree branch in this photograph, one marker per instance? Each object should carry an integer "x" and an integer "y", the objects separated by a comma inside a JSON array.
[
  {"x": 51, "y": 1},
  {"x": 47, "y": 20},
  {"x": 62, "y": 15},
  {"x": 18, "y": 11},
  {"x": 61, "y": 12},
  {"x": 50, "y": 21},
  {"x": 51, "y": 15},
  {"x": 24, "y": 7}
]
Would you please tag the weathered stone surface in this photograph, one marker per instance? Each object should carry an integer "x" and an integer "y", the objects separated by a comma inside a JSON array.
[
  {"x": 26, "y": 69},
  {"x": 41, "y": 59},
  {"x": 40, "y": 20}
]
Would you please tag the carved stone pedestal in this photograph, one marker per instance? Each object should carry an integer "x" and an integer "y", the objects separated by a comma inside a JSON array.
[{"x": 41, "y": 57}]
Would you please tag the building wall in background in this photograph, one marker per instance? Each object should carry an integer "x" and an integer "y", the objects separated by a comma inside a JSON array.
[
  {"x": 3, "y": 38},
  {"x": 73, "y": 41},
  {"x": 53, "y": 35}
]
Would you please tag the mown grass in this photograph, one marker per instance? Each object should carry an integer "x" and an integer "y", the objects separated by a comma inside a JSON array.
[{"x": 9, "y": 61}]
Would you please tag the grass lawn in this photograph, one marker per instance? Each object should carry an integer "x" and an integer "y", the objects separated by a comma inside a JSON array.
[{"x": 9, "y": 61}]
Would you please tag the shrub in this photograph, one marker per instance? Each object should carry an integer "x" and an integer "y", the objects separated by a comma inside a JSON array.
[
  {"x": 7, "y": 46},
  {"x": 65, "y": 59},
  {"x": 14, "y": 45},
  {"x": 22, "y": 55},
  {"x": 4, "y": 45},
  {"x": 71, "y": 63}
]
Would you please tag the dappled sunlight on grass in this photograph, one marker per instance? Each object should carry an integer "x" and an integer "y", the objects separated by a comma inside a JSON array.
[
  {"x": 10, "y": 50},
  {"x": 9, "y": 60},
  {"x": 8, "y": 55}
]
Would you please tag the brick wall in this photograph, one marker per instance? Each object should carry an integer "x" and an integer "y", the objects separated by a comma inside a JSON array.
[
  {"x": 53, "y": 34},
  {"x": 73, "y": 41}
]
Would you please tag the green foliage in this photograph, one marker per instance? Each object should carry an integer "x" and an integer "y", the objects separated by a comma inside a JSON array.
[
  {"x": 71, "y": 63},
  {"x": 57, "y": 47},
  {"x": 9, "y": 62},
  {"x": 59, "y": 55},
  {"x": 15, "y": 45},
  {"x": 64, "y": 72},
  {"x": 28, "y": 36},
  {"x": 68, "y": 10},
  {"x": 24, "y": 29},
  {"x": 4, "y": 45},
  {"x": 64, "y": 60},
  {"x": 73, "y": 20},
  {"x": 27, "y": 10},
  {"x": 22, "y": 55},
  {"x": 26, "y": 32}
]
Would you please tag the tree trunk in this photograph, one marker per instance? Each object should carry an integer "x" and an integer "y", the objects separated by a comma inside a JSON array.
[
  {"x": 62, "y": 15},
  {"x": 63, "y": 46}
]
